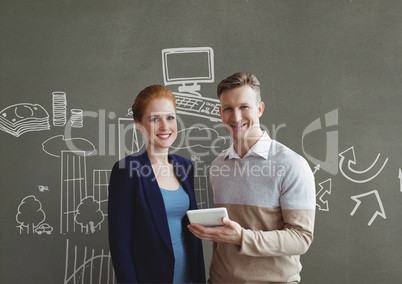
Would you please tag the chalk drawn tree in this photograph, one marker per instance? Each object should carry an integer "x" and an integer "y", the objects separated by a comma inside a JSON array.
[
  {"x": 89, "y": 214},
  {"x": 30, "y": 214}
]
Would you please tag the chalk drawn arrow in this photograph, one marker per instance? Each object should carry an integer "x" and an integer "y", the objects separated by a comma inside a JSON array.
[
  {"x": 348, "y": 158},
  {"x": 400, "y": 180},
  {"x": 325, "y": 188},
  {"x": 377, "y": 213},
  {"x": 316, "y": 168}
]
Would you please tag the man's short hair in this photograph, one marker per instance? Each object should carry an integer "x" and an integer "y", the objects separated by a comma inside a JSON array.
[{"x": 240, "y": 79}]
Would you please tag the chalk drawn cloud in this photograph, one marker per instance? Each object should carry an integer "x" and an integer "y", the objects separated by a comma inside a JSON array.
[
  {"x": 54, "y": 145},
  {"x": 201, "y": 137}
]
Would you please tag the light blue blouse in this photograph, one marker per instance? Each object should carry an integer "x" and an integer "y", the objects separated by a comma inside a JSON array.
[{"x": 176, "y": 204}]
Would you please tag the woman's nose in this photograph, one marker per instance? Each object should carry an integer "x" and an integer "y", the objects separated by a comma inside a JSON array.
[{"x": 163, "y": 125}]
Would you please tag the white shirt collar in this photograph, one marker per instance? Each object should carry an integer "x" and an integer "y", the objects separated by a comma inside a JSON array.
[{"x": 260, "y": 148}]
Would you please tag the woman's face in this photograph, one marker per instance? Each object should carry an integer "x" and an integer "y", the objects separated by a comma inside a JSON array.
[{"x": 159, "y": 125}]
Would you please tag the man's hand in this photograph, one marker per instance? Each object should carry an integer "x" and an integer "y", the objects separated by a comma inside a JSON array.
[{"x": 230, "y": 232}]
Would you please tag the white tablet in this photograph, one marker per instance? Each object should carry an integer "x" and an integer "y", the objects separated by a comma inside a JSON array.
[{"x": 207, "y": 217}]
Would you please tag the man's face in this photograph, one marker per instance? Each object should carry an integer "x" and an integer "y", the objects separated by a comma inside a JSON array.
[{"x": 240, "y": 112}]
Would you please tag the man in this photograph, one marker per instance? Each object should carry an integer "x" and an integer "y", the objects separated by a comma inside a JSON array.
[{"x": 268, "y": 190}]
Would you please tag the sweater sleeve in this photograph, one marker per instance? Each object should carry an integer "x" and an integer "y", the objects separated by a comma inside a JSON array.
[
  {"x": 297, "y": 207},
  {"x": 120, "y": 212}
]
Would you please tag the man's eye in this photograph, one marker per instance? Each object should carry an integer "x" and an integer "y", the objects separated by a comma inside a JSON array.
[
  {"x": 244, "y": 107},
  {"x": 171, "y": 117}
]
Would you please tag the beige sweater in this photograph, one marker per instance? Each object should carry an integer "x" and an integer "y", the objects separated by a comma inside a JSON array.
[{"x": 273, "y": 199}]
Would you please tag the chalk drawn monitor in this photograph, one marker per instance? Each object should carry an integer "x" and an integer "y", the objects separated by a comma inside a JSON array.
[{"x": 188, "y": 67}]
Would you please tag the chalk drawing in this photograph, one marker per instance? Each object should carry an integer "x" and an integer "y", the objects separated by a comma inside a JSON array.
[
  {"x": 400, "y": 180},
  {"x": 43, "y": 188},
  {"x": 195, "y": 136},
  {"x": 56, "y": 144},
  {"x": 89, "y": 214},
  {"x": 22, "y": 118},
  {"x": 200, "y": 183},
  {"x": 316, "y": 169},
  {"x": 73, "y": 188},
  {"x": 100, "y": 189},
  {"x": 348, "y": 160},
  {"x": 188, "y": 67},
  {"x": 80, "y": 206},
  {"x": 59, "y": 103},
  {"x": 30, "y": 217},
  {"x": 127, "y": 137},
  {"x": 325, "y": 188},
  {"x": 130, "y": 112},
  {"x": 380, "y": 212},
  {"x": 88, "y": 266},
  {"x": 201, "y": 191},
  {"x": 77, "y": 118},
  {"x": 195, "y": 158},
  {"x": 196, "y": 106},
  {"x": 44, "y": 228}
]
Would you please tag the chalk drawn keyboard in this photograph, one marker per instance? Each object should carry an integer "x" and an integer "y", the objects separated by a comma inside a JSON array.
[{"x": 198, "y": 106}]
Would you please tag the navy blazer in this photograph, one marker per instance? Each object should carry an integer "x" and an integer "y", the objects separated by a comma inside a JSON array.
[{"x": 139, "y": 237}]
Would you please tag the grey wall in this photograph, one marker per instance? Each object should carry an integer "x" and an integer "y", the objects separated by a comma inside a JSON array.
[{"x": 330, "y": 73}]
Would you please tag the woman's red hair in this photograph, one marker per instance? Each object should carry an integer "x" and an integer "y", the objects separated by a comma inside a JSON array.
[{"x": 148, "y": 94}]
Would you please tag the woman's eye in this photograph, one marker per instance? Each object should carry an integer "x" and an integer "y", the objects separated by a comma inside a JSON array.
[
  {"x": 171, "y": 117},
  {"x": 154, "y": 119}
]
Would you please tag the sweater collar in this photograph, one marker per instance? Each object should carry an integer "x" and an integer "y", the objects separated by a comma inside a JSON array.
[{"x": 259, "y": 149}]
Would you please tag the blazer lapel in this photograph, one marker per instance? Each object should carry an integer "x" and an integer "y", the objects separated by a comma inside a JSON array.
[{"x": 155, "y": 201}]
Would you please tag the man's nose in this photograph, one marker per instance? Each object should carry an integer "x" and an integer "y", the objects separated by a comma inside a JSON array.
[{"x": 236, "y": 115}]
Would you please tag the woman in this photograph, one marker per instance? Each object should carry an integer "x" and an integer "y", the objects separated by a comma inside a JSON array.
[{"x": 149, "y": 194}]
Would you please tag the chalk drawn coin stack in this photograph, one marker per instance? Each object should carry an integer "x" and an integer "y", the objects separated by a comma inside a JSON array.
[{"x": 59, "y": 108}]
